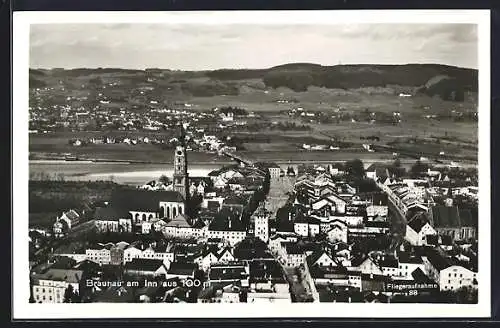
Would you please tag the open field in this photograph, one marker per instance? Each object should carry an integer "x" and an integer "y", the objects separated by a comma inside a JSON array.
[{"x": 376, "y": 99}]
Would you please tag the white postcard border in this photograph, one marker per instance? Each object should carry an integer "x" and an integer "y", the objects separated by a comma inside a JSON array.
[{"x": 20, "y": 169}]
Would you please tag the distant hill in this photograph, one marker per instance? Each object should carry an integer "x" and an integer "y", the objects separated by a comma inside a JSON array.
[{"x": 447, "y": 82}]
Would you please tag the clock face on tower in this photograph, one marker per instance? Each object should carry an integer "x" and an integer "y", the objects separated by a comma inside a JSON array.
[{"x": 179, "y": 152}]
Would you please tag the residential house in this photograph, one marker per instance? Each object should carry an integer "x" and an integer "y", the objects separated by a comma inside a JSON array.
[
  {"x": 448, "y": 273},
  {"x": 367, "y": 265},
  {"x": 321, "y": 259},
  {"x": 111, "y": 219},
  {"x": 71, "y": 217},
  {"x": 292, "y": 255},
  {"x": 229, "y": 273},
  {"x": 407, "y": 265},
  {"x": 180, "y": 228},
  {"x": 181, "y": 270},
  {"x": 337, "y": 231},
  {"x": 228, "y": 227},
  {"x": 307, "y": 226},
  {"x": 141, "y": 251},
  {"x": 449, "y": 220},
  {"x": 145, "y": 267}
]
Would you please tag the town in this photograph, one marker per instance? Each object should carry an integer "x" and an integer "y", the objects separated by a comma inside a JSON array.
[{"x": 257, "y": 231}]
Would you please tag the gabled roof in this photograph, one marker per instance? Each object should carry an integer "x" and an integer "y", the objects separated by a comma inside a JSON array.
[
  {"x": 144, "y": 264},
  {"x": 143, "y": 200},
  {"x": 224, "y": 251},
  {"x": 340, "y": 246},
  {"x": 437, "y": 260},
  {"x": 417, "y": 222},
  {"x": 109, "y": 214},
  {"x": 63, "y": 262},
  {"x": 389, "y": 262},
  {"x": 227, "y": 274},
  {"x": 316, "y": 256},
  {"x": 67, "y": 275},
  {"x": 357, "y": 261},
  {"x": 198, "y": 224},
  {"x": 437, "y": 240},
  {"x": 71, "y": 214},
  {"x": 445, "y": 216},
  {"x": 405, "y": 257},
  {"x": 226, "y": 221},
  {"x": 250, "y": 249},
  {"x": 179, "y": 221},
  {"x": 420, "y": 277},
  {"x": 380, "y": 199}
]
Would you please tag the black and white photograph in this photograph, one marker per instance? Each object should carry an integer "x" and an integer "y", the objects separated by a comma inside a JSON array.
[{"x": 299, "y": 164}]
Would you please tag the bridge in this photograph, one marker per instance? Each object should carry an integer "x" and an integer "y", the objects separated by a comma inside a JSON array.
[{"x": 237, "y": 157}]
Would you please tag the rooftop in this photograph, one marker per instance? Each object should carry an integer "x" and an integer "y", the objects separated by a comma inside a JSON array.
[
  {"x": 143, "y": 200},
  {"x": 109, "y": 214},
  {"x": 179, "y": 221},
  {"x": 418, "y": 221},
  {"x": 67, "y": 275},
  {"x": 143, "y": 264}
]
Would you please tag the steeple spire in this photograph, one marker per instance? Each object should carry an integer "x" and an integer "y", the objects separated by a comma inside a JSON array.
[
  {"x": 182, "y": 135},
  {"x": 180, "y": 176}
]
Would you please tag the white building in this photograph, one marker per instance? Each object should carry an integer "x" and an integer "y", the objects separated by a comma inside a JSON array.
[
  {"x": 407, "y": 265},
  {"x": 448, "y": 275},
  {"x": 417, "y": 229},
  {"x": 137, "y": 252},
  {"x": 180, "y": 228},
  {"x": 50, "y": 286}
]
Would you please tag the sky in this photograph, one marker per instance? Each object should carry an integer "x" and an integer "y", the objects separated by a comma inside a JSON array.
[{"x": 208, "y": 47}]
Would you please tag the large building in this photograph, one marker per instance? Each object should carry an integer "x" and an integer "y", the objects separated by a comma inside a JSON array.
[
  {"x": 262, "y": 225},
  {"x": 454, "y": 222},
  {"x": 145, "y": 206},
  {"x": 51, "y": 286}
]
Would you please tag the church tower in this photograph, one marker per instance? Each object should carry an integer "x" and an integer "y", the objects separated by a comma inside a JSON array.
[{"x": 180, "y": 178}]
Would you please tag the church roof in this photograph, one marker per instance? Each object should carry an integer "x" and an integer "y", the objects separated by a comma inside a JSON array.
[
  {"x": 179, "y": 221},
  {"x": 143, "y": 200}
]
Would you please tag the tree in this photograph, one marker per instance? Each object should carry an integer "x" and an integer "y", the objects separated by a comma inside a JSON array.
[
  {"x": 355, "y": 168},
  {"x": 164, "y": 179},
  {"x": 466, "y": 295},
  {"x": 418, "y": 168},
  {"x": 69, "y": 294}
]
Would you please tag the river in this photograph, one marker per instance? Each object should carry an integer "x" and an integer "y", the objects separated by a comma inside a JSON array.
[
  {"x": 124, "y": 173},
  {"x": 137, "y": 173}
]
